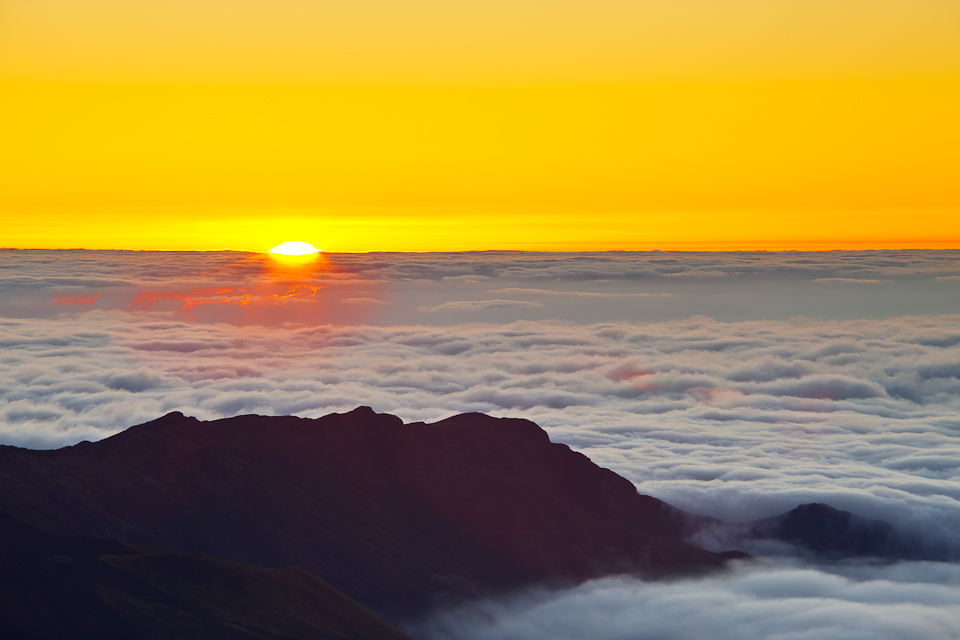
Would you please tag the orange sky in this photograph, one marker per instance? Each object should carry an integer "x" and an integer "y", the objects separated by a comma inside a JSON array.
[{"x": 429, "y": 125}]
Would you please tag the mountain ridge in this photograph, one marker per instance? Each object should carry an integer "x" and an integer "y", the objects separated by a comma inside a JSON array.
[
  {"x": 395, "y": 515},
  {"x": 402, "y": 518}
]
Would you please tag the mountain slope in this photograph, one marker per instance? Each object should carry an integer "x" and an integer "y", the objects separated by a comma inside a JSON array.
[
  {"x": 79, "y": 588},
  {"x": 397, "y": 516}
]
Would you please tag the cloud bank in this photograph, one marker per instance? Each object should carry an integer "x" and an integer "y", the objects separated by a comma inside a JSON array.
[
  {"x": 734, "y": 420},
  {"x": 751, "y": 602},
  {"x": 733, "y": 385},
  {"x": 739, "y": 419},
  {"x": 410, "y": 289}
]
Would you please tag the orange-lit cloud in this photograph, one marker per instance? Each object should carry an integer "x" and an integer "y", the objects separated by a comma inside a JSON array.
[
  {"x": 251, "y": 298},
  {"x": 268, "y": 282}
]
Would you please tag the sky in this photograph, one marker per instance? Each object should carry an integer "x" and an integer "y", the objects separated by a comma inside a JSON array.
[{"x": 427, "y": 125}]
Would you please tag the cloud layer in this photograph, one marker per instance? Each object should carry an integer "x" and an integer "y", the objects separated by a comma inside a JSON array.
[
  {"x": 732, "y": 385},
  {"x": 733, "y": 419},
  {"x": 899, "y": 602},
  {"x": 390, "y": 288}
]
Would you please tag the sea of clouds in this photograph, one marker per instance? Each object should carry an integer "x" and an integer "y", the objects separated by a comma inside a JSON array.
[
  {"x": 733, "y": 385},
  {"x": 760, "y": 600}
]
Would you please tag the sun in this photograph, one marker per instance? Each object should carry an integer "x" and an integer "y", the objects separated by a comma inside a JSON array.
[
  {"x": 294, "y": 248},
  {"x": 295, "y": 259}
]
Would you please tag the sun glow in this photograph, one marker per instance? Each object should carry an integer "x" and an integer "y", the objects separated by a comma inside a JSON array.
[
  {"x": 291, "y": 261},
  {"x": 294, "y": 248}
]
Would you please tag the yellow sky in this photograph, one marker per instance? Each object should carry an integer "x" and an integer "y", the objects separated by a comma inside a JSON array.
[{"x": 429, "y": 125}]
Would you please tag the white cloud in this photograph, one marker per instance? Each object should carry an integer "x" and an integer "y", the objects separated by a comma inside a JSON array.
[
  {"x": 861, "y": 414},
  {"x": 715, "y": 398},
  {"x": 851, "y": 280},
  {"x": 753, "y": 601},
  {"x": 519, "y": 291},
  {"x": 844, "y": 411},
  {"x": 477, "y": 305}
]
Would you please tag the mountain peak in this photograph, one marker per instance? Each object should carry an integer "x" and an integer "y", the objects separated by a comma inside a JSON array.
[
  {"x": 172, "y": 417},
  {"x": 361, "y": 411},
  {"x": 830, "y": 532}
]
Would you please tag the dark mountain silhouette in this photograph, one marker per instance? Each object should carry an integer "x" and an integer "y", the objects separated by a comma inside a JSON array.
[
  {"x": 831, "y": 533},
  {"x": 54, "y": 587},
  {"x": 397, "y": 516}
]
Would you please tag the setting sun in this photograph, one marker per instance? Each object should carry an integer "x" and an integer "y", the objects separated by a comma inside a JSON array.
[{"x": 294, "y": 248}]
